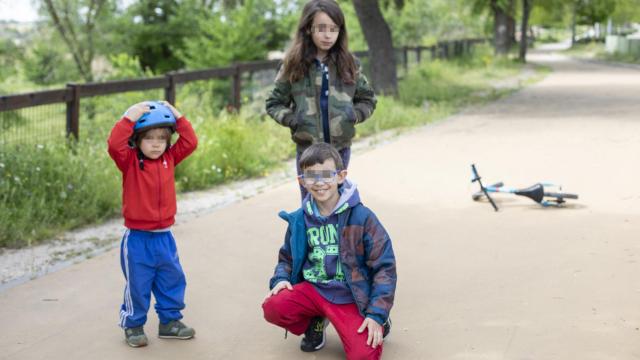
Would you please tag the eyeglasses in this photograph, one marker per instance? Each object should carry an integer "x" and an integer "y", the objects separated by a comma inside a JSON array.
[
  {"x": 311, "y": 177},
  {"x": 324, "y": 28}
]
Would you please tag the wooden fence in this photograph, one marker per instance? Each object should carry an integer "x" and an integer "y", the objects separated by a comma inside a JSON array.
[{"x": 73, "y": 93}]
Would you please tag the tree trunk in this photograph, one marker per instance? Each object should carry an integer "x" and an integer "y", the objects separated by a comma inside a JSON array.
[
  {"x": 511, "y": 24},
  {"x": 526, "y": 11},
  {"x": 78, "y": 36},
  {"x": 500, "y": 33},
  {"x": 381, "y": 54},
  {"x": 573, "y": 22}
]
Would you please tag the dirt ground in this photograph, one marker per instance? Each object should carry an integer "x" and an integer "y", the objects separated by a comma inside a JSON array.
[{"x": 522, "y": 283}]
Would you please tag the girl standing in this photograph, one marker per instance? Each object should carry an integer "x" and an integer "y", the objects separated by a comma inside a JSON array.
[{"x": 320, "y": 93}]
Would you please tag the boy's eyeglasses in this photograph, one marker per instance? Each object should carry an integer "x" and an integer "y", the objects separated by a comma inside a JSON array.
[
  {"x": 324, "y": 176},
  {"x": 324, "y": 28}
]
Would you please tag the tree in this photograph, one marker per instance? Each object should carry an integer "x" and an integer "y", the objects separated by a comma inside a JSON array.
[
  {"x": 226, "y": 36},
  {"x": 589, "y": 12},
  {"x": 626, "y": 11},
  {"x": 501, "y": 22},
  {"x": 423, "y": 22},
  {"x": 526, "y": 11},
  {"x": 500, "y": 26},
  {"x": 75, "y": 21},
  {"x": 550, "y": 13},
  {"x": 511, "y": 23},
  {"x": 45, "y": 64},
  {"x": 155, "y": 34},
  {"x": 381, "y": 53}
]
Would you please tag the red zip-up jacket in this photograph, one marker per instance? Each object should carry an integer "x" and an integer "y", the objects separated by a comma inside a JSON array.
[{"x": 149, "y": 195}]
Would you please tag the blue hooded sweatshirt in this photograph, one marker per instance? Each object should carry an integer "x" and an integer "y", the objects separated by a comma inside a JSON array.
[{"x": 322, "y": 266}]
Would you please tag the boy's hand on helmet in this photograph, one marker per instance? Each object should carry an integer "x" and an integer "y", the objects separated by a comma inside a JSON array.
[
  {"x": 279, "y": 286},
  {"x": 137, "y": 110},
  {"x": 175, "y": 111}
]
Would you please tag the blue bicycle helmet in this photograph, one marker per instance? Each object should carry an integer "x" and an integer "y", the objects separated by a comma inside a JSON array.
[{"x": 159, "y": 116}]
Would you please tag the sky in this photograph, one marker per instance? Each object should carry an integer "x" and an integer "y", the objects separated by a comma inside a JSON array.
[
  {"x": 20, "y": 10},
  {"x": 25, "y": 10}
]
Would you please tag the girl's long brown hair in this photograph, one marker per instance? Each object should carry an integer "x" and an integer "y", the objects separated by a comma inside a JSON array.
[{"x": 302, "y": 53}]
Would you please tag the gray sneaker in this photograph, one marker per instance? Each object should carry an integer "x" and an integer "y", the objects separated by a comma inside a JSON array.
[
  {"x": 175, "y": 330},
  {"x": 314, "y": 337},
  {"x": 135, "y": 337},
  {"x": 386, "y": 328}
]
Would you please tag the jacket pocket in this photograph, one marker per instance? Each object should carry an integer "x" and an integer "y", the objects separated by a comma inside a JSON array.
[
  {"x": 305, "y": 130},
  {"x": 342, "y": 124}
]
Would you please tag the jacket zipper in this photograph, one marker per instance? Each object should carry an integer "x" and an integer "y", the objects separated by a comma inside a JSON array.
[
  {"x": 347, "y": 277},
  {"x": 316, "y": 96},
  {"x": 159, "y": 192}
]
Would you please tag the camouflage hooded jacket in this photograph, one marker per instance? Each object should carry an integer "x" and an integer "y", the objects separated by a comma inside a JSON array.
[
  {"x": 297, "y": 106},
  {"x": 366, "y": 256}
]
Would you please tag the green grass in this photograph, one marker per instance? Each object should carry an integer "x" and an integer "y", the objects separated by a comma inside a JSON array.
[
  {"x": 617, "y": 57},
  {"x": 49, "y": 188},
  {"x": 597, "y": 51},
  {"x": 458, "y": 82},
  {"x": 585, "y": 49},
  {"x": 45, "y": 189}
]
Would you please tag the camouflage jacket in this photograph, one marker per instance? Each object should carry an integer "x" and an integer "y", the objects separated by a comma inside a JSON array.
[
  {"x": 366, "y": 256},
  {"x": 297, "y": 106}
]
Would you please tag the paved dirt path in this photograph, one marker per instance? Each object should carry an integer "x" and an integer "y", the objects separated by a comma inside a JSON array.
[{"x": 523, "y": 283}]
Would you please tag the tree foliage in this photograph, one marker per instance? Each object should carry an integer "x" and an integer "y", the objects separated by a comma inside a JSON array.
[
  {"x": 422, "y": 22},
  {"x": 235, "y": 33},
  {"x": 10, "y": 56},
  {"x": 78, "y": 24}
]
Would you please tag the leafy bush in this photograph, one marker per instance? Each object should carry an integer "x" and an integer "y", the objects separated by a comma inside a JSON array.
[{"x": 233, "y": 147}]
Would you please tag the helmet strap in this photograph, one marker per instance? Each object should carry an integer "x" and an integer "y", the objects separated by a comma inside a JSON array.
[{"x": 141, "y": 158}]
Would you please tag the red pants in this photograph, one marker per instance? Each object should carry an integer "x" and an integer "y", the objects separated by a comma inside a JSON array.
[{"x": 293, "y": 310}]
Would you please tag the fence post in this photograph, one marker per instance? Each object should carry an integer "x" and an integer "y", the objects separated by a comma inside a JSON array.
[
  {"x": 73, "y": 111},
  {"x": 170, "y": 90},
  {"x": 237, "y": 84},
  {"x": 419, "y": 54},
  {"x": 434, "y": 52}
]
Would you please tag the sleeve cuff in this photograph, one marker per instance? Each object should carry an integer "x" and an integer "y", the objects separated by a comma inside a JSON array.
[
  {"x": 125, "y": 119},
  {"x": 377, "y": 318}
]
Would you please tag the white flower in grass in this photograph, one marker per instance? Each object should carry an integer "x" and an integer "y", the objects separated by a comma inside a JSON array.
[
  {"x": 40, "y": 146},
  {"x": 37, "y": 168},
  {"x": 16, "y": 178},
  {"x": 1, "y": 166}
]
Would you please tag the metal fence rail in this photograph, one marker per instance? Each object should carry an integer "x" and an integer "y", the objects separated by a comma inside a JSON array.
[{"x": 170, "y": 82}]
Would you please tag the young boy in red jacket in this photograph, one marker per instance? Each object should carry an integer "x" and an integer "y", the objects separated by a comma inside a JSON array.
[{"x": 140, "y": 145}]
